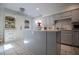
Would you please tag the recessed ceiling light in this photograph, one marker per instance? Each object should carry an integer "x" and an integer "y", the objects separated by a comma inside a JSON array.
[
  {"x": 42, "y": 16},
  {"x": 25, "y": 41},
  {"x": 37, "y": 8}
]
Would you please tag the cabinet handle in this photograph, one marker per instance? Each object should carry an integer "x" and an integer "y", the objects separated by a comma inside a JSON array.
[{"x": 67, "y": 34}]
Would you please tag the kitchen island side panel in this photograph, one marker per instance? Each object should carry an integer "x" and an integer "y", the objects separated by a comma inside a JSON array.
[{"x": 51, "y": 43}]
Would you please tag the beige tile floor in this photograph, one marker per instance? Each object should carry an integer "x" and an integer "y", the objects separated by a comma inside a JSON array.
[
  {"x": 68, "y": 50},
  {"x": 20, "y": 48},
  {"x": 15, "y": 48}
]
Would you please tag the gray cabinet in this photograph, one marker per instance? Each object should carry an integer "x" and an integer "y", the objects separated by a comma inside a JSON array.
[
  {"x": 66, "y": 15},
  {"x": 51, "y": 43},
  {"x": 76, "y": 38},
  {"x": 37, "y": 42},
  {"x": 41, "y": 42},
  {"x": 75, "y": 15},
  {"x": 69, "y": 40},
  {"x": 58, "y": 42},
  {"x": 63, "y": 15},
  {"x": 66, "y": 37},
  {"x": 57, "y": 17}
]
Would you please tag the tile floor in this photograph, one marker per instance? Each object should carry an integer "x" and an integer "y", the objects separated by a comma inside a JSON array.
[
  {"x": 68, "y": 50},
  {"x": 15, "y": 48},
  {"x": 20, "y": 47}
]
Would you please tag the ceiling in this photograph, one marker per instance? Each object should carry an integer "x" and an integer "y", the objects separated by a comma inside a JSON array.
[{"x": 44, "y": 8}]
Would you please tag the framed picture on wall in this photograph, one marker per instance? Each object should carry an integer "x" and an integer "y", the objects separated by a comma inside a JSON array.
[
  {"x": 9, "y": 22},
  {"x": 26, "y": 24}
]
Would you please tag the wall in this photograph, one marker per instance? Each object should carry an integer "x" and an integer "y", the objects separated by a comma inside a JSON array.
[
  {"x": 17, "y": 33},
  {"x": 1, "y": 25}
]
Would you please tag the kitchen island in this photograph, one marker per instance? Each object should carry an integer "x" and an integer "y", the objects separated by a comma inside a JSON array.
[{"x": 41, "y": 42}]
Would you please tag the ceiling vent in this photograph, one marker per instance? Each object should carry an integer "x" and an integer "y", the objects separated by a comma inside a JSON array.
[{"x": 22, "y": 9}]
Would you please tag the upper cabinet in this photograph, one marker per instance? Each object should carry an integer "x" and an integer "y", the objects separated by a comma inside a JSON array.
[
  {"x": 75, "y": 15},
  {"x": 62, "y": 15},
  {"x": 56, "y": 16},
  {"x": 66, "y": 15}
]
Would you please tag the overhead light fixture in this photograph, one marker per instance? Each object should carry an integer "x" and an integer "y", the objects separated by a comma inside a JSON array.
[
  {"x": 37, "y": 8},
  {"x": 25, "y": 41},
  {"x": 38, "y": 21}
]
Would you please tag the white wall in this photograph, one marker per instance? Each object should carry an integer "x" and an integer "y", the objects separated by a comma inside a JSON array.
[
  {"x": 17, "y": 33},
  {"x": 1, "y": 25}
]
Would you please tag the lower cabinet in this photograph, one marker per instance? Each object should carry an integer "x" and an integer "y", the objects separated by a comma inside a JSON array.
[
  {"x": 76, "y": 38},
  {"x": 68, "y": 42},
  {"x": 41, "y": 42},
  {"x": 51, "y": 43},
  {"x": 58, "y": 42},
  {"x": 66, "y": 37}
]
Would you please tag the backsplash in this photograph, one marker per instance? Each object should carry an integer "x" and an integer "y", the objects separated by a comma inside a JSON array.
[{"x": 64, "y": 24}]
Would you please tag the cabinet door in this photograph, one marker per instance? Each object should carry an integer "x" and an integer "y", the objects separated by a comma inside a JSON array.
[
  {"x": 58, "y": 37},
  {"x": 57, "y": 17},
  {"x": 76, "y": 38},
  {"x": 66, "y": 15},
  {"x": 37, "y": 42},
  {"x": 75, "y": 15},
  {"x": 51, "y": 43},
  {"x": 63, "y": 15},
  {"x": 66, "y": 37},
  {"x": 58, "y": 41}
]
